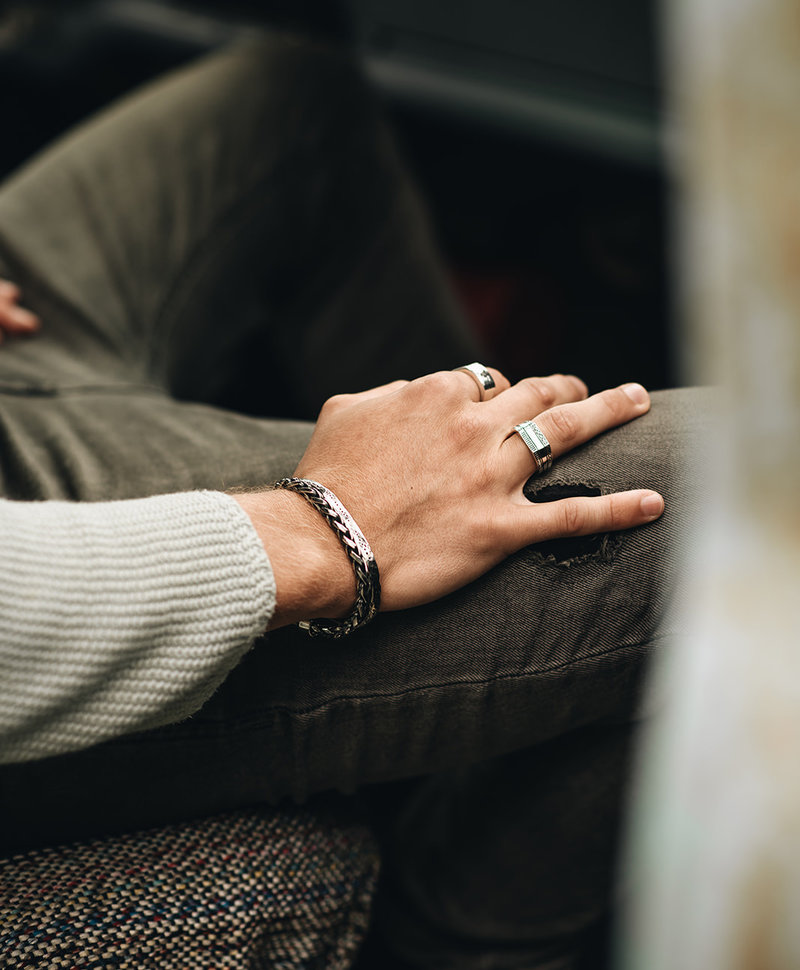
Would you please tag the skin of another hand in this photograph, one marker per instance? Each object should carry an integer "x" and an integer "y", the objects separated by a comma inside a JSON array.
[
  {"x": 14, "y": 318},
  {"x": 433, "y": 476}
]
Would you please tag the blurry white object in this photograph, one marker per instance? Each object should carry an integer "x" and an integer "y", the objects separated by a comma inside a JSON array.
[{"x": 714, "y": 873}]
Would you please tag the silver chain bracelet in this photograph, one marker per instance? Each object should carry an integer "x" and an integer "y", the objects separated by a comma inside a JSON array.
[{"x": 368, "y": 583}]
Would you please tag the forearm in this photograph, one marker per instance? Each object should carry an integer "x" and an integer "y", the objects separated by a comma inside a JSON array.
[{"x": 121, "y": 616}]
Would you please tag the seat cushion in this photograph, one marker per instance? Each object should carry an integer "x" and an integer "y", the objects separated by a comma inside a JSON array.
[{"x": 250, "y": 889}]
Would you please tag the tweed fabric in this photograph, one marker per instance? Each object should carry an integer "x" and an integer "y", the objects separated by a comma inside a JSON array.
[{"x": 248, "y": 890}]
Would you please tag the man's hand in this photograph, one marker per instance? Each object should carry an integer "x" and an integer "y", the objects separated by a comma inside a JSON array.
[
  {"x": 434, "y": 478},
  {"x": 13, "y": 317}
]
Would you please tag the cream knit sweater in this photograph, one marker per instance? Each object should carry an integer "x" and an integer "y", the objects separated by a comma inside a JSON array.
[{"x": 121, "y": 616}]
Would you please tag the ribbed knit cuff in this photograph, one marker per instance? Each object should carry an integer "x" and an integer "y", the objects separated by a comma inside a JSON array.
[{"x": 121, "y": 616}]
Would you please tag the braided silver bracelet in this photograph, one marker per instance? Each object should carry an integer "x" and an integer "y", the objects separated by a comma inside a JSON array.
[{"x": 368, "y": 583}]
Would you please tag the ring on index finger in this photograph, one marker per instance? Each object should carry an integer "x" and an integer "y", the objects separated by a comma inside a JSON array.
[
  {"x": 537, "y": 443},
  {"x": 480, "y": 375}
]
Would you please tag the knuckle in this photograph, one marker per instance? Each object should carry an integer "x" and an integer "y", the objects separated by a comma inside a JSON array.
[
  {"x": 334, "y": 403},
  {"x": 468, "y": 424},
  {"x": 440, "y": 384},
  {"x": 542, "y": 390},
  {"x": 616, "y": 513},
  {"x": 566, "y": 424},
  {"x": 573, "y": 517}
]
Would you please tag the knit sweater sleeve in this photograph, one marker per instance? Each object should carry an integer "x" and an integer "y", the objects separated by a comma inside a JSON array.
[{"x": 121, "y": 616}]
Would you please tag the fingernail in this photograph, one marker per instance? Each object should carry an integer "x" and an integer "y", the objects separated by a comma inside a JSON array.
[
  {"x": 636, "y": 393},
  {"x": 652, "y": 505}
]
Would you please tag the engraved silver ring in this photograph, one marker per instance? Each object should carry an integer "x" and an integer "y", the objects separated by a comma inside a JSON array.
[
  {"x": 537, "y": 443},
  {"x": 480, "y": 375}
]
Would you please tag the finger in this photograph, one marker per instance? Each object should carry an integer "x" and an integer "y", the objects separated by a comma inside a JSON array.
[
  {"x": 584, "y": 515},
  {"x": 529, "y": 397},
  {"x": 472, "y": 383},
  {"x": 9, "y": 291},
  {"x": 568, "y": 425},
  {"x": 16, "y": 319}
]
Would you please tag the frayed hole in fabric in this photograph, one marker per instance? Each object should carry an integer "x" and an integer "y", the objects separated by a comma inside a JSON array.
[{"x": 574, "y": 550}]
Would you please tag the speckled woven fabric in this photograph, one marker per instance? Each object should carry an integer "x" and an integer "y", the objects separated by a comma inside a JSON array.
[{"x": 251, "y": 889}]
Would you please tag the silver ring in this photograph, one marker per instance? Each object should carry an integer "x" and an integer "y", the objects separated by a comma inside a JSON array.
[
  {"x": 482, "y": 377},
  {"x": 537, "y": 443}
]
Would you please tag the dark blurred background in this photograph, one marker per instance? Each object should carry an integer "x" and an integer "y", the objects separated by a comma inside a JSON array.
[{"x": 532, "y": 128}]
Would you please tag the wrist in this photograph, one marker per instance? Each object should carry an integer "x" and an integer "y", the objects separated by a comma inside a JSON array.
[
  {"x": 313, "y": 576},
  {"x": 358, "y": 551}
]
